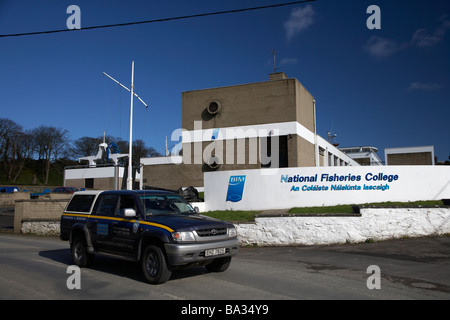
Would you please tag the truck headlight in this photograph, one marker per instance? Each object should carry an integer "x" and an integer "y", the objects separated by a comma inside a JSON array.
[
  {"x": 232, "y": 233},
  {"x": 183, "y": 236}
]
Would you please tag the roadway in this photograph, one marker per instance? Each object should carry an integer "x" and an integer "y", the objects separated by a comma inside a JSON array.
[{"x": 33, "y": 267}]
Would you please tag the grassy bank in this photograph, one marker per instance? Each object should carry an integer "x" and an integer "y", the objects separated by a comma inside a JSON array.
[
  {"x": 230, "y": 215},
  {"x": 349, "y": 209}
]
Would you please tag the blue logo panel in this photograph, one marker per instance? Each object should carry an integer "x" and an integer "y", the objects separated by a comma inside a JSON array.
[
  {"x": 102, "y": 229},
  {"x": 235, "y": 188}
]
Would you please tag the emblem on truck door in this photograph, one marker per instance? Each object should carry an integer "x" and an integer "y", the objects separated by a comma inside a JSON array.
[{"x": 135, "y": 226}]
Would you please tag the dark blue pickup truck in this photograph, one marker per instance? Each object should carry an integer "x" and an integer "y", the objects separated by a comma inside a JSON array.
[{"x": 158, "y": 229}]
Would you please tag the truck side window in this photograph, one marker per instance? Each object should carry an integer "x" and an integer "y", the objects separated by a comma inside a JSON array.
[
  {"x": 81, "y": 203},
  {"x": 126, "y": 202},
  {"x": 107, "y": 205}
]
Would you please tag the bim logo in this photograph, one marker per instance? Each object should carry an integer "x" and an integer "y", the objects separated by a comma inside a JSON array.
[{"x": 235, "y": 188}]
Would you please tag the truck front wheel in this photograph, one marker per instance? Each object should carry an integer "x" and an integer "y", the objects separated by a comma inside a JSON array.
[{"x": 154, "y": 265}]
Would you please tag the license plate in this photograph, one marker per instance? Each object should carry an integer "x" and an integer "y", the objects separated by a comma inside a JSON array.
[{"x": 215, "y": 252}]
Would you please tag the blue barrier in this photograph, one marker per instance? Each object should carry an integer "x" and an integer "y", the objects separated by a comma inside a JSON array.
[
  {"x": 37, "y": 194},
  {"x": 8, "y": 189}
]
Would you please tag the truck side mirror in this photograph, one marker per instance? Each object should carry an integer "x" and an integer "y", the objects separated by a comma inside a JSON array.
[{"x": 129, "y": 212}]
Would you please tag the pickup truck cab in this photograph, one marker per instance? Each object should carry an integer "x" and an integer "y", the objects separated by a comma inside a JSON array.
[{"x": 158, "y": 229}]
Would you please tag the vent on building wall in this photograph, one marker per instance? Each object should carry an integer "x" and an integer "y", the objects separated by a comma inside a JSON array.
[
  {"x": 214, "y": 108},
  {"x": 214, "y": 162}
]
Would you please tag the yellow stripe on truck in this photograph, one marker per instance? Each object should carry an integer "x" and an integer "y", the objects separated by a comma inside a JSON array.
[{"x": 120, "y": 219}]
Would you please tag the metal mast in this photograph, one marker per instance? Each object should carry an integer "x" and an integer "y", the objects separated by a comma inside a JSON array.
[{"x": 130, "y": 148}]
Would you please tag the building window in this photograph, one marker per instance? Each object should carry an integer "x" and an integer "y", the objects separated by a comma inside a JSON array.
[
  {"x": 89, "y": 183},
  {"x": 321, "y": 151}
]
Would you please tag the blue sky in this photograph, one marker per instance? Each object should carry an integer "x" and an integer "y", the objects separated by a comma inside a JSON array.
[{"x": 386, "y": 88}]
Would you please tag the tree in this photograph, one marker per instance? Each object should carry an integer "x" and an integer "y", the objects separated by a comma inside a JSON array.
[
  {"x": 10, "y": 146},
  {"x": 142, "y": 151},
  {"x": 88, "y": 146},
  {"x": 50, "y": 143},
  {"x": 25, "y": 148},
  {"x": 85, "y": 146}
]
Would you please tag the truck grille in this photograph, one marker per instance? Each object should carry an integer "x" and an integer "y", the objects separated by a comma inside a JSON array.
[{"x": 211, "y": 232}]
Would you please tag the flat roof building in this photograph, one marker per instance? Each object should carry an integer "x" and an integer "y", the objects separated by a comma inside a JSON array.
[
  {"x": 423, "y": 155},
  {"x": 250, "y": 126},
  {"x": 364, "y": 155}
]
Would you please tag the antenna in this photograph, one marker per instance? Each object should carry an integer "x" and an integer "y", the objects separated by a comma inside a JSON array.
[
  {"x": 274, "y": 61},
  {"x": 167, "y": 150},
  {"x": 331, "y": 136},
  {"x": 275, "y": 68}
]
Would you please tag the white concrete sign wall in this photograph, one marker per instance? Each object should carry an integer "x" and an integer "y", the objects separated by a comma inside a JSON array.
[
  {"x": 374, "y": 223},
  {"x": 285, "y": 188}
]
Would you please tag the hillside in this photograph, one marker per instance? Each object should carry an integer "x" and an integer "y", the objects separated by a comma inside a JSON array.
[{"x": 33, "y": 173}]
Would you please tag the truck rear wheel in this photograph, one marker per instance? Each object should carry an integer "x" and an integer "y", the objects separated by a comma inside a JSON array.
[
  {"x": 80, "y": 255},
  {"x": 154, "y": 265}
]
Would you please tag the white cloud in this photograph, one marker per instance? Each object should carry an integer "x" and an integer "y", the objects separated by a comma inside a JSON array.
[
  {"x": 423, "y": 38},
  {"x": 380, "y": 47},
  {"x": 424, "y": 86},
  {"x": 299, "y": 20},
  {"x": 288, "y": 61}
]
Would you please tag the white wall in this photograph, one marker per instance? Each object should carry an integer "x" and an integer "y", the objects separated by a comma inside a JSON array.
[
  {"x": 94, "y": 172},
  {"x": 374, "y": 223},
  {"x": 268, "y": 189}
]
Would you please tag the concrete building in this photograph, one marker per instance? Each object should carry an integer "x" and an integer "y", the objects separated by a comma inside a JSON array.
[
  {"x": 409, "y": 156},
  {"x": 103, "y": 171},
  {"x": 249, "y": 126},
  {"x": 364, "y": 155},
  {"x": 107, "y": 177}
]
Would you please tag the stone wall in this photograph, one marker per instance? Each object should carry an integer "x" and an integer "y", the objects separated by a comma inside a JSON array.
[
  {"x": 38, "y": 211},
  {"x": 372, "y": 224},
  {"x": 47, "y": 228},
  {"x": 8, "y": 199}
]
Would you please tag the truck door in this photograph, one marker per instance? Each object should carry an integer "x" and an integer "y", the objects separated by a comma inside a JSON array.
[
  {"x": 100, "y": 223},
  {"x": 126, "y": 229}
]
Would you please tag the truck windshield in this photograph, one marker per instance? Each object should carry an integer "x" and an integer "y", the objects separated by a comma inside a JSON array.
[{"x": 166, "y": 204}]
